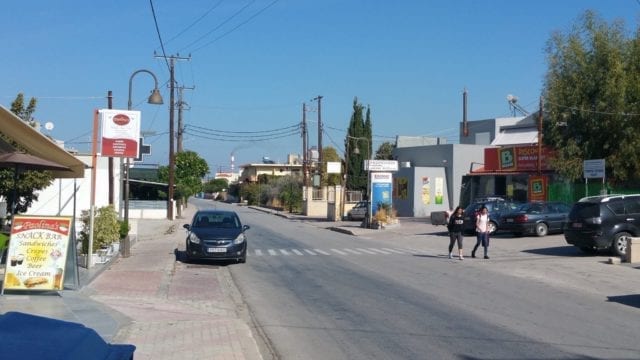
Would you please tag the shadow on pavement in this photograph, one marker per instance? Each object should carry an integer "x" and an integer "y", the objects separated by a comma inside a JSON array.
[
  {"x": 630, "y": 300},
  {"x": 558, "y": 251},
  {"x": 181, "y": 256}
]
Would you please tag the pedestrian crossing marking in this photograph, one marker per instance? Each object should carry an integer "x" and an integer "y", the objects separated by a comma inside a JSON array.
[
  {"x": 366, "y": 251},
  {"x": 394, "y": 251},
  {"x": 380, "y": 251},
  {"x": 334, "y": 251},
  {"x": 352, "y": 251}
]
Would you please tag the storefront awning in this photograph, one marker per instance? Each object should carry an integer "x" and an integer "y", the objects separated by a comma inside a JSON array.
[
  {"x": 39, "y": 145},
  {"x": 516, "y": 137}
]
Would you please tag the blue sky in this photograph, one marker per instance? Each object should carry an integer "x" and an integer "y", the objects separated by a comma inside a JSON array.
[{"x": 255, "y": 62}]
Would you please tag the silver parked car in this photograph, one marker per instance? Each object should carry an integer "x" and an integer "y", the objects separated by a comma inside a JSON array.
[{"x": 359, "y": 211}]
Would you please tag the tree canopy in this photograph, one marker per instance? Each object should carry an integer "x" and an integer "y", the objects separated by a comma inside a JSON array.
[
  {"x": 592, "y": 98},
  {"x": 385, "y": 151},
  {"x": 28, "y": 182},
  {"x": 358, "y": 147}
]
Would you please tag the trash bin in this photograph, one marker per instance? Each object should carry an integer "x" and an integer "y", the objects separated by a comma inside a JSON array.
[{"x": 30, "y": 337}]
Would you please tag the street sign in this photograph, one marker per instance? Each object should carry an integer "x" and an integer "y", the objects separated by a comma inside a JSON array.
[
  {"x": 381, "y": 165},
  {"x": 593, "y": 169}
]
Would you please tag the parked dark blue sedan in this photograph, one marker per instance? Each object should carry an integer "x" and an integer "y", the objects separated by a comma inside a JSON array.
[
  {"x": 539, "y": 218},
  {"x": 216, "y": 235}
]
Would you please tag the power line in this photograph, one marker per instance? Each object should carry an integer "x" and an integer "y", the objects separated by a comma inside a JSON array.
[
  {"x": 573, "y": 108},
  {"x": 294, "y": 126},
  {"x": 239, "y": 25},
  {"x": 155, "y": 21},
  {"x": 244, "y": 139},
  {"x": 196, "y": 21},
  {"x": 219, "y": 26}
]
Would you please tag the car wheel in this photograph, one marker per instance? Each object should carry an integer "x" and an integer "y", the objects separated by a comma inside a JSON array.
[
  {"x": 492, "y": 227},
  {"x": 619, "y": 245},
  {"x": 541, "y": 229}
]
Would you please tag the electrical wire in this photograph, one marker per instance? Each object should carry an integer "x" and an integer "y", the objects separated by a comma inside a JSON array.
[
  {"x": 239, "y": 25},
  {"x": 219, "y": 26},
  {"x": 155, "y": 21},
  {"x": 294, "y": 126},
  {"x": 247, "y": 136},
  {"x": 199, "y": 135},
  {"x": 573, "y": 108},
  {"x": 196, "y": 21}
]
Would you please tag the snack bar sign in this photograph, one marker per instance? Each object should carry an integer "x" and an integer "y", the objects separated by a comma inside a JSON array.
[
  {"x": 120, "y": 133},
  {"x": 37, "y": 253}
]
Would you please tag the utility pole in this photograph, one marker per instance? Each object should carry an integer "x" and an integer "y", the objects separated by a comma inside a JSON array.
[
  {"x": 172, "y": 164},
  {"x": 111, "y": 191},
  {"x": 540, "y": 136},
  {"x": 181, "y": 104},
  {"x": 319, "y": 98},
  {"x": 305, "y": 169}
]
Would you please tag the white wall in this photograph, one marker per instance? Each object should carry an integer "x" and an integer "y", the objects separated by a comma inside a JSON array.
[{"x": 57, "y": 199}]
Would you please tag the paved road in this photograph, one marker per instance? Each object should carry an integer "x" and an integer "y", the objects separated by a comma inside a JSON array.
[{"x": 395, "y": 294}]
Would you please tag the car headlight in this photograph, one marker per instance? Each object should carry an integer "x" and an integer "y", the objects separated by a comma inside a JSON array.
[
  {"x": 194, "y": 238},
  {"x": 240, "y": 239}
]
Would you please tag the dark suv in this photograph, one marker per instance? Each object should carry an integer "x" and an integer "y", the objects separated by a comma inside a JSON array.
[
  {"x": 604, "y": 222},
  {"x": 496, "y": 207}
]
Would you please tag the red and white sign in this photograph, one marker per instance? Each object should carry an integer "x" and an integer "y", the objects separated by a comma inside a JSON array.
[{"x": 120, "y": 133}]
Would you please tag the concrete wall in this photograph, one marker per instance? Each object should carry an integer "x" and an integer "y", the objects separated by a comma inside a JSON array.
[
  {"x": 314, "y": 208},
  {"x": 57, "y": 199},
  {"x": 419, "y": 203},
  {"x": 453, "y": 160}
]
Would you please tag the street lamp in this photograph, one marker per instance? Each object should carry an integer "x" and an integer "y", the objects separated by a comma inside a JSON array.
[
  {"x": 154, "y": 99},
  {"x": 357, "y": 152}
]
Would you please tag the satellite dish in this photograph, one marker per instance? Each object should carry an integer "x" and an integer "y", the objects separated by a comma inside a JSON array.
[
  {"x": 511, "y": 98},
  {"x": 48, "y": 125}
]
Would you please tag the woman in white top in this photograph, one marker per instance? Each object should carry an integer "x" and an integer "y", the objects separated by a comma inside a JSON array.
[{"x": 482, "y": 232}]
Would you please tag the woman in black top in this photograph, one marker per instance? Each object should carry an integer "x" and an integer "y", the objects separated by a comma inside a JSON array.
[{"x": 456, "y": 226}]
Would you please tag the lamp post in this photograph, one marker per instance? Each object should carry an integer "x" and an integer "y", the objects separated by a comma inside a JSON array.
[
  {"x": 156, "y": 99},
  {"x": 357, "y": 151}
]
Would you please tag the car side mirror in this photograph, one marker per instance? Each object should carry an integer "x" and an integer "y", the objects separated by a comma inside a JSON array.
[
  {"x": 245, "y": 227},
  {"x": 187, "y": 226}
]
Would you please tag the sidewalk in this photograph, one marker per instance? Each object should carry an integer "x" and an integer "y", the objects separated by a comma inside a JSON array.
[{"x": 167, "y": 309}]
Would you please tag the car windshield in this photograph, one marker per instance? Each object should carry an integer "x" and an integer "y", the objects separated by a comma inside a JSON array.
[{"x": 216, "y": 221}]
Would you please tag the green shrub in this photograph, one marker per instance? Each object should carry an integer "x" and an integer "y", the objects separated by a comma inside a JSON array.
[{"x": 106, "y": 230}]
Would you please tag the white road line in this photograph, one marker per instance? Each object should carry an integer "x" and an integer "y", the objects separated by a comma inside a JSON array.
[
  {"x": 272, "y": 252},
  {"x": 321, "y": 252},
  {"x": 380, "y": 251},
  {"x": 310, "y": 252},
  {"x": 352, "y": 251},
  {"x": 394, "y": 251},
  {"x": 258, "y": 252},
  {"x": 366, "y": 251},
  {"x": 284, "y": 252},
  {"x": 339, "y": 252},
  {"x": 411, "y": 251},
  {"x": 297, "y": 252}
]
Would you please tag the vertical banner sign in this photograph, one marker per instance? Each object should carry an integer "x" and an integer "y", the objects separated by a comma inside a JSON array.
[
  {"x": 120, "y": 133},
  {"x": 426, "y": 190},
  {"x": 381, "y": 188},
  {"x": 537, "y": 188},
  {"x": 37, "y": 253},
  {"x": 439, "y": 190}
]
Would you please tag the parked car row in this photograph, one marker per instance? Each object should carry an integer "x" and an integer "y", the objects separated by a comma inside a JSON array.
[{"x": 591, "y": 224}]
